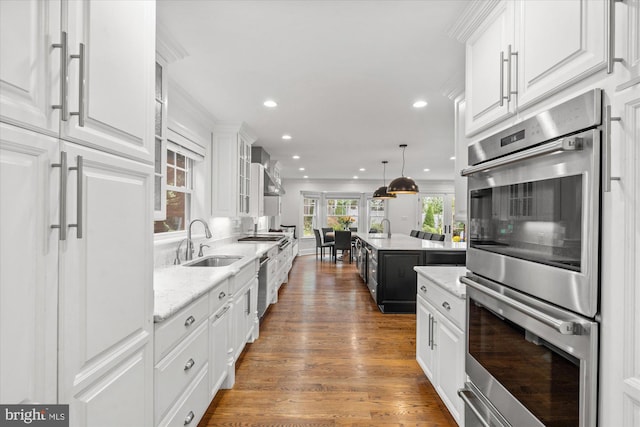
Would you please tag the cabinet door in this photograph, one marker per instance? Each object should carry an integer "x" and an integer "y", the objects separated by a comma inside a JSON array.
[
  {"x": 559, "y": 43},
  {"x": 112, "y": 85},
  {"x": 219, "y": 348},
  {"x": 106, "y": 291},
  {"x": 461, "y": 162},
  {"x": 425, "y": 353},
  {"x": 28, "y": 266},
  {"x": 484, "y": 67},
  {"x": 29, "y": 66},
  {"x": 449, "y": 342},
  {"x": 627, "y": 43},
  {"x": 224, "y": 174}
]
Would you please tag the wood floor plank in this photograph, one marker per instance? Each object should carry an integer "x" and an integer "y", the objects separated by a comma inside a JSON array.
[{"x": 327, "y": 357}]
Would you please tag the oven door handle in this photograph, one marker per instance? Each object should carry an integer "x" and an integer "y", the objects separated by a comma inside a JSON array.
[
  {"x": 467, "y": 395},
  {"x": 563, "y": 326},
  {"x": 562, "y": 144}
]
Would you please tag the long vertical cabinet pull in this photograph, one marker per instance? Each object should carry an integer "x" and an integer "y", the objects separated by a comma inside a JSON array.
[
  {"x": 62, "y": 213},
  {"x": 79, "y": 198},
  {"x": 510, "y": 54},
  {"x": 611, "y": 54},
  {"x": 80, "y": 113},
  {"x": 606, "y": 150},
  {"x": 64, "y": 72}
]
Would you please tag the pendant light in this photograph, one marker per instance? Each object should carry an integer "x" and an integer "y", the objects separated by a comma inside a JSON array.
[
  {"x": 402, "y": 185},
  {"x": 381, "y": 193}
]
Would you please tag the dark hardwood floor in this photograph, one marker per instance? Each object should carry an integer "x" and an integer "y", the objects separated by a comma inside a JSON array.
[{"x": 326, "y": 356}]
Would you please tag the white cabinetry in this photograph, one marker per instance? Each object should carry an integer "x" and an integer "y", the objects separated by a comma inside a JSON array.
[
  {"x": 106, "y": 83},
  {"x": 272, "y": 205},
  {"x": 257, "y": 205},
  {"x": 440, "y": 342},
  {"x": 231, "y": 171},
  {"x": 627, "y": 45},
  {"x": 526, "y": 51},
  {"x": 89, "y": 327},
  {"x": 461, "y": 151}
]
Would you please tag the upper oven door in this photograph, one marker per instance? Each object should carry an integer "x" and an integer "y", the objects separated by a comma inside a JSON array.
[{"x": 534, "y": 221}]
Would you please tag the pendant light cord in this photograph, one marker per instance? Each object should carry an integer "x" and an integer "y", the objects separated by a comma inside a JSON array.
[{"x": 403, "y": 148}]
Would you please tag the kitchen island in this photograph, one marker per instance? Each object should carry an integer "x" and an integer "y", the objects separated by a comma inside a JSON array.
[{"x": 386, "y": 266}]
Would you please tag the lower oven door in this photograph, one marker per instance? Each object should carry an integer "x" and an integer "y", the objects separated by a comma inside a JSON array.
[{"x": 535, "y": 363}]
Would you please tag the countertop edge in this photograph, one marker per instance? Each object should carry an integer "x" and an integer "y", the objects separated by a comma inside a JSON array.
[{"x": 445, "y": 277}]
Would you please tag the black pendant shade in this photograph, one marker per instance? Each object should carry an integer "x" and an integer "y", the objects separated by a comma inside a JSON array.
[
  {"x": 381, "y": 193},
  {"x": 402, "y": 185}
]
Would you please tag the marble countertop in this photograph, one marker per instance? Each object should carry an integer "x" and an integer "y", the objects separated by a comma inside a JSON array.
[
  {"x": 445, "y": 277},
  {"x": 399, "y": 242},
  {"x": 176, "y": 286}
]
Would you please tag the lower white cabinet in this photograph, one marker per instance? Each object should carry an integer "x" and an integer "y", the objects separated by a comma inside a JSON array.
[
  {"x": 440, "y": 342},
  {"x": 218, "y": 348}
]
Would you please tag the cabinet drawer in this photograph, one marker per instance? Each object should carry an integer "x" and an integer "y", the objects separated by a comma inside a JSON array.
[
  {"x": 451, "y": 307},
  {"x": 191, "y": 406},
  {"x": 218, "y": 296},
  {"x": 171, "y": 331},
  {"x": 179, "y": 368},
  {"x": 243, "y": 277}
]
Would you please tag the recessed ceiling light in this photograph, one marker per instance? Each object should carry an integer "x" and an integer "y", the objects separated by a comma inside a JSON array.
[
  {"x": 295, "y": 157},
  {"x": 362, "y": 169},
  {"x": 355, "y": 176},
  {"x": 285, "y": 136},
  {"x": 306, "y": 176},
  {"x": 426, "y": 170},
  {"x": 301, "y": 169},
  {"x": 452, "y": 158},
  {"x": 270, "y": 103},
  {"x": 420, "y": 104}
]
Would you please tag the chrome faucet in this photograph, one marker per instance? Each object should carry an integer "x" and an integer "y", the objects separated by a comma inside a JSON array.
[
  {"x": 388, "y": 229},
  {"x": 176, "y": 260},
  {"x": 189, "y": 253}
]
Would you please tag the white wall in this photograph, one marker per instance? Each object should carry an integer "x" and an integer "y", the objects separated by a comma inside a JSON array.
[{"x": 402, "y": 212}]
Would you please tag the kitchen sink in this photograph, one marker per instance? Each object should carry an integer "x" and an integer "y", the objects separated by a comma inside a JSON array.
[{"x": 214, "y": 261}]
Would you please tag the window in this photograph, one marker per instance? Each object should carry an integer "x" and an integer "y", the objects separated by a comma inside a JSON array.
[
  {"x": 376, "y": 215},
  {"x": 342, "y": 213},
  {"x": 179, "y": 188},
  {"x": 309, "y": 216}
]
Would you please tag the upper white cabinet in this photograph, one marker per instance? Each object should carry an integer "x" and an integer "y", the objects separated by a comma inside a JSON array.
[
  {"x": 462, "y": 155},
  {"x": 231, "y": 171},
  {"x": 256, "y": 204},
  {"x": 525, "y": 51},
  {"x": 486, "y": 73},
  {"x": 81, "y": 70}
]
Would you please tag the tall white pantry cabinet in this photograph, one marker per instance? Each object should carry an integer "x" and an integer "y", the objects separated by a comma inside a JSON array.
[{"x": 76, "y": 193}]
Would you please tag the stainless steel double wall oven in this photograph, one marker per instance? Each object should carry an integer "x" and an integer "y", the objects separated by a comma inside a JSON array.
[{"x": 533, "y": 261}]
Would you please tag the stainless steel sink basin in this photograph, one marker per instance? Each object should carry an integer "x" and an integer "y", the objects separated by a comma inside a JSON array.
[{"x": 214, "y": 261}]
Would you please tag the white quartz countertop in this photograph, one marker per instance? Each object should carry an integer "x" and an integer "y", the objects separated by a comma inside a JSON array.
[
  {"x": 399, "y": 242},
  {"x": 176, "y": 286},
  {"x": 445, "y": 277}
]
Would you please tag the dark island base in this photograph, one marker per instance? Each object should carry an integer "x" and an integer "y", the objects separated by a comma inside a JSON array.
[{"x": 398, "y": 307}]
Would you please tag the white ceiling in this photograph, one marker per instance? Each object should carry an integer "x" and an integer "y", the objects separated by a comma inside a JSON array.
[{"x": 344, "y": 74}]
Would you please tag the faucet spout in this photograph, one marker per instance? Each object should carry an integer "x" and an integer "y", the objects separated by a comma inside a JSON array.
[
  {"x": 189, "y": 252},
  {"x": 388, "y": 227}
]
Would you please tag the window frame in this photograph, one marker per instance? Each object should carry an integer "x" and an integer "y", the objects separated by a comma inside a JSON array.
[{"x": 314, "y": 218}]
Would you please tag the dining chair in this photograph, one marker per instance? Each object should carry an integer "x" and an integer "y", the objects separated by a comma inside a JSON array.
[
  {"x": 438, "y": 237},
  {"x": 414, "y": 233},
  {"x": 320, "y": 244},
  {"x": 326, "y": 238},
  {"x": 427, "y": 236},
  {"x": 421, "y": 234},
  {"x": 342, "y": 243}
]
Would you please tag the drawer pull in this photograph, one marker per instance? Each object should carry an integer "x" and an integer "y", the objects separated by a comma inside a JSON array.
[
  {"x": 190, "y": 416},
  {"x": 189, "y": 321},
  {"x": 219, "y": 315},
  {"x": 222, "y": 295},
  {"x": 423, "y": 288},
  {"x": 189, "y": 364},
  {"x": 446, "y": 305}
]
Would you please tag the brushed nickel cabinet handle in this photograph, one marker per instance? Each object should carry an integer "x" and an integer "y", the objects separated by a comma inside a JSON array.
[
  {"x": 606, "y": 150},
  {"x": 446, "y": 306},
  {"x": 80, "y": 113},
  {"x": 219, "y": 315},
  {"x": 190, "y": 320},
  {"x": 190, "y": 416},
  {"x": 510, "y": 54},
  {"x": 222, "y": 295},
  {"x": 62, "y": 213},
  {"x": 423, "y": 288},
  {"x": 79, "y": 168},
  {"x": 189, "y": 364},
  {"x": 64, "y": 72}
]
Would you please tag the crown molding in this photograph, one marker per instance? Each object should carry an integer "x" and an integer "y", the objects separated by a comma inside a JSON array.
[
  {"x": 471, "y": 19},
  {"x": 167, "y": 47},
  {"x": 454, "y": 86}
]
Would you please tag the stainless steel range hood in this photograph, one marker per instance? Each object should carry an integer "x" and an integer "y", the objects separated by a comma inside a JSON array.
[{"x": 271, "y": 186}]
